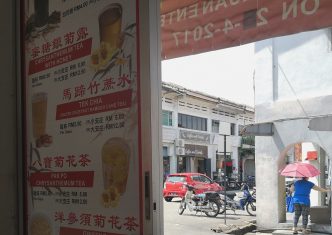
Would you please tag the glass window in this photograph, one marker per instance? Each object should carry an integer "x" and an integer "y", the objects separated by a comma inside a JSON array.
[
  {"x": 165, "y": 151},
  {"x": 195, "y": 123},
  {"x": 199, "y": 125},
  {"x": 192, "y": 122},
  {"x": 204, "y": 124},
  {"x": 175, "y": 179},
  {"x": 205, "y": 180},
  {"x": 196, "y": 178},
  {"x": 215, "y": 126},
  {"x": 189, "y": 122},
  {"x": 232, "y": 128},
  {"x": 167, "y": 118}
]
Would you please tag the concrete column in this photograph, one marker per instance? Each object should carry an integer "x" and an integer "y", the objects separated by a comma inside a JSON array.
[
  {"x": 270, "y": 187},
  {"x": 191, "y": 161},
  {"x": 209, "y": 125},
  {"x": 175, "y": 115},
  {"x": 321, "y": 177},
  {"x": 212, "y": 153},
  {"x": 172, "y": 159}
]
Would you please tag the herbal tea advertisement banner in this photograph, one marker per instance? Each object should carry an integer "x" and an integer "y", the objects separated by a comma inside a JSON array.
[{"x": 81, "y": 117}]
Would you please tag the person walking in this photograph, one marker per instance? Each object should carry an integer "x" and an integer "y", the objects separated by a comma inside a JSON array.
[{"x": 301, "y": 202}]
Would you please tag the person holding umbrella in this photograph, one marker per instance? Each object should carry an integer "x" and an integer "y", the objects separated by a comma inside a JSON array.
[
  {"x": 302, "y": 189},
  {"x": 301, "y": 202}
]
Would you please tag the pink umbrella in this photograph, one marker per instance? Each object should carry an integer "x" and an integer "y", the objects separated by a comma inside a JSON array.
[{"x": 300, "y": 169}]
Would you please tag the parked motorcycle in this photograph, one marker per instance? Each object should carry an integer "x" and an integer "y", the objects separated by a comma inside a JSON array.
[
  {"x": 251, "y": 181},
  {"x": 253, "y": 194},
  {"x": 247, "y": 202},
  {"x": 208, "y": 202},
  {"x": 230, "y": 183},
  {"x": 233, "y": 184}
]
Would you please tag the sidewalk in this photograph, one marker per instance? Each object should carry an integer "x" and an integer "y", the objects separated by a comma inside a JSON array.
[{"x": 248, "y": 228}]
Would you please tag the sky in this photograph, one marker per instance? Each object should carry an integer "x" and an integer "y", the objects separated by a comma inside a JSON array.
[{"x": 226, "y": 73}]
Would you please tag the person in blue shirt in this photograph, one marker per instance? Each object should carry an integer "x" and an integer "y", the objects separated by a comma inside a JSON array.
[{"x": 301, "y": 200}]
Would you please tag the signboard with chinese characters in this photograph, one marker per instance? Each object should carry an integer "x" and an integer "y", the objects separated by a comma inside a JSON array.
[
  {"x": 196, "y": 26},
  {"x": 83, "y": 172}
]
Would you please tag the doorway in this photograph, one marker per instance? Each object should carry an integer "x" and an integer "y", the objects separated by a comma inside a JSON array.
[{"x": 201, "y": 166}]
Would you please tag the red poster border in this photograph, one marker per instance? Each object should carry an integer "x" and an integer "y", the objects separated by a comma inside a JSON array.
[{"x": 24, "y": 116}]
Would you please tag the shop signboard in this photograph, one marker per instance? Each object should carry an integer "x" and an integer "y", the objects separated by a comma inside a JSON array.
[
  {"x": 196, "y": 150},
  {"x": 195, "y": 136},
  {"x": 82, "y": 117},
  {"x": 194, "y": 26}
]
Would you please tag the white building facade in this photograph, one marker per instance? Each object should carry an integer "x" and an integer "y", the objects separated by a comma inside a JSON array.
[
  {"x": 194, "y": 126},
  {"x": 293, "y": 86}
]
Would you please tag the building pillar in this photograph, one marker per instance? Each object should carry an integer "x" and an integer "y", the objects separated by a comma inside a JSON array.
[
  {"x": 270, "y": 186},
  {"x": 172, "y": 159},
  {"x": 321, "y": 178},
  {"x": 314, "y": 195}
]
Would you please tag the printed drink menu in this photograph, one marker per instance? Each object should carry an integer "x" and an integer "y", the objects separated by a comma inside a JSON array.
[{"x": 81, "y": 120}]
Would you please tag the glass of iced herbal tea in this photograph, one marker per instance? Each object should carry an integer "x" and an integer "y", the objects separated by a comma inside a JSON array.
[
  {"x": 110, "y": 21},
  {"x": 39, "y": 111},
  {"x": 115, "y": 164}
]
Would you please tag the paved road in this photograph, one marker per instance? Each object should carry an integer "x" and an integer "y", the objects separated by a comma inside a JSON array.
[{"x": 199, "y": 224}]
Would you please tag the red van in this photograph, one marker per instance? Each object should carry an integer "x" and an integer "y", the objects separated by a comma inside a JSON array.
[{"x": 174, "y": 184}]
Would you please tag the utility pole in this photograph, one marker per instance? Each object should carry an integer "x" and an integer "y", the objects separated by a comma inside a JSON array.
[{"x": 225, "y": 190}]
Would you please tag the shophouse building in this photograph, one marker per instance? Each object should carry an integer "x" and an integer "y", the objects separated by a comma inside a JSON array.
[{"x": 194, "y": 127}]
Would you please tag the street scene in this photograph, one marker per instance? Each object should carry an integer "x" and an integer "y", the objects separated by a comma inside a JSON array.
[
  {"x": 166, "y": 117},
  {"x": 191, "y": 223}
]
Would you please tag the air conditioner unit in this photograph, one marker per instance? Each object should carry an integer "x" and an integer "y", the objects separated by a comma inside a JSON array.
[
  {"x": 180, "y": 151},
  {"x": 179, "y": 143}
]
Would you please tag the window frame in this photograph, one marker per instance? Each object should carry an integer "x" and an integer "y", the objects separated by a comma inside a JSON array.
[
  {"x": 232, "y": 128},
  {"x": 168, "y": 118},
  {"x": 215, "y": 128},
  {"x": 192, "y": 122}
]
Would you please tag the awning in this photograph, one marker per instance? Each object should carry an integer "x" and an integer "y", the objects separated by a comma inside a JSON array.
[{"x": 194, "y": 26}]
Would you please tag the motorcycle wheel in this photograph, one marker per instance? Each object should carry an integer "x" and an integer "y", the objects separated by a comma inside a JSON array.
[
  {"x": 182, "y": 207},
  {"x": 251, "y": 208},
  {"x": 222, "y": 207},
  {"x": 215, "y": 207}
]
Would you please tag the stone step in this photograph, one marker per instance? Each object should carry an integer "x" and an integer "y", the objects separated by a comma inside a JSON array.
[
  {"x": 290, "y": 232},
  {"x": 319, "y": 228}
]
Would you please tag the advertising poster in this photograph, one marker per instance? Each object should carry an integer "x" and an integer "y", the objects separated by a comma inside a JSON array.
[{"x": 82, "y": 117}]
